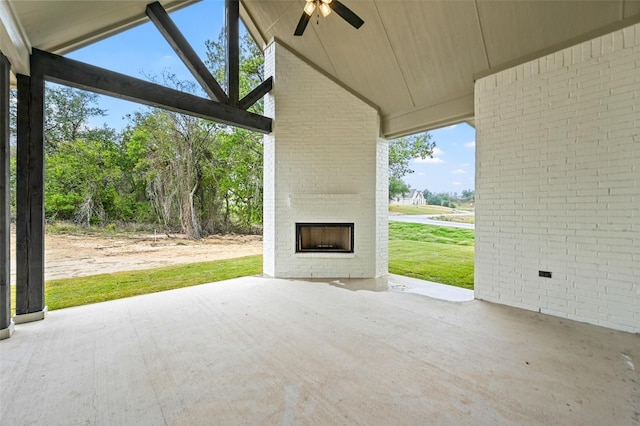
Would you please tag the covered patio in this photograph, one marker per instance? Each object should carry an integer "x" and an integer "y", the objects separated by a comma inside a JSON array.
[
  {"x": 552, "y": 88},
  {"x": 271, "y": 351}
]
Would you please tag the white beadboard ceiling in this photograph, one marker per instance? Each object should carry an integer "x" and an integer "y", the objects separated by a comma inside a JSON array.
[{"x": 415, "y": 60}]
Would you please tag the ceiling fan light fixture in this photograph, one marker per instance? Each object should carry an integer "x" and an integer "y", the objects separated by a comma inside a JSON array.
[
  {"x": 310, "y": 7},
  {"x": 324, "y": 9}
]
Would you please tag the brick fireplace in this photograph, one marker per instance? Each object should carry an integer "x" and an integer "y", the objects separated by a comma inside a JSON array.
[{"x": 325, "y": 165}]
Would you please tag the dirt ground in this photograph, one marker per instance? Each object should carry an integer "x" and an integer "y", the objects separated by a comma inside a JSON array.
[{"x": 74, "y": 256}]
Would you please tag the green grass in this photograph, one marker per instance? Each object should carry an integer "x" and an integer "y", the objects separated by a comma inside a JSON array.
[
  {"x": 400, "y": 231},
  {"x": 77, "y": 291},
  {"x": 432, "y": 253},
  {"x": 459, "y": 218},
  {"x": 428, "y": 209}
]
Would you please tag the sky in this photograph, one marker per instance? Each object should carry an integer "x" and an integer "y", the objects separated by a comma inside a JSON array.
[
  {"x": 452, "y": 168},
  {"x": 142, "y": 52}
]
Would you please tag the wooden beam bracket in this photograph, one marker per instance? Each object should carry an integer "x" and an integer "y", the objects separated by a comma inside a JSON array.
[
  {"x": 181, "y": 46},
  {"x": 256, "y": 94}
]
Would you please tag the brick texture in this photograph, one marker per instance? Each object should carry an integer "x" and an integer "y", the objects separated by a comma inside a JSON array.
[
  {"x": 558, "y": 183},
  {"x": 324, "y": 162}
]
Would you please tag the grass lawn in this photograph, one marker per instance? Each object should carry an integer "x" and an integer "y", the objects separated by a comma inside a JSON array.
[
  {"x": 432, "y": 253},
  {"x": 77, "y": 291},
  {"x": 428, "y": 209},
  {"x": 458, "y": 218}
]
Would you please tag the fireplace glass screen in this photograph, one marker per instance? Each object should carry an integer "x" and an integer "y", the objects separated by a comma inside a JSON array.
[{"x": 324, "y": 237}]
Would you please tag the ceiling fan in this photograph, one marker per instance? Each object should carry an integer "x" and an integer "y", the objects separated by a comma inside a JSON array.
[{"x": 325, "y": 7}]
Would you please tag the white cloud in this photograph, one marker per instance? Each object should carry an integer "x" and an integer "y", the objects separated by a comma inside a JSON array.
[
  {"x": 458, "y": 172},
  {"x": 437, "y": 152},
  {"x": 465, "y": 164},
  {"x": 456, "y": 184},
  {"x": 429, "y": 160},
  {"x": 420, "y": 174},
  {"x": 471, "y": 144}
]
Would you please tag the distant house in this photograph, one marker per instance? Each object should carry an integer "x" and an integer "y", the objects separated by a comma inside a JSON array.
[{"x": 413, "y": 198}]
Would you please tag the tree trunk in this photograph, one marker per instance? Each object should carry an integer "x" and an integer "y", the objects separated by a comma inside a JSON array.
[{"x": 195, "y": 222}]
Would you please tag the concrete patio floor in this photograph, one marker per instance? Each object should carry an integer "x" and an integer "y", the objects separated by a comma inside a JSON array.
[{"x": 270, "y": 351}]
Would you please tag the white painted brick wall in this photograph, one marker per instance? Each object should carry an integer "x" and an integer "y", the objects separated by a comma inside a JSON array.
[
  {"x": 324, "y": 162},
  {"x": 558, "y": 183}
]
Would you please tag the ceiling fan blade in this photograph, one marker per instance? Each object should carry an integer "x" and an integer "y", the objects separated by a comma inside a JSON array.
[
  {"x": 346, "y": 14},
  {"x": 302, "y": 24}
]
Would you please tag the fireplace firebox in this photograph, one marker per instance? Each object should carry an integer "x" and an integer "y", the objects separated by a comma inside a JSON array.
[{"x": 324, "y": 237}]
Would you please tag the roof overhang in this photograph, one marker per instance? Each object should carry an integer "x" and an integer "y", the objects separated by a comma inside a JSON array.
[
  {"x": 63, "y": 26},
  {"x": 416, "y": 61}
]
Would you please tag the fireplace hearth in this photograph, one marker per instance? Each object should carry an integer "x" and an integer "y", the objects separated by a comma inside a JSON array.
[{"x": 324, "y": 237}]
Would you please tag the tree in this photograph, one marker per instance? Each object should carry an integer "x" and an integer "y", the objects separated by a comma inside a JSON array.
[
  {"x": 397, "y": 188},
  {"x": 13, "y": 116},
  {"x": 440, "y": 199},
  {"x": 401, "y": 152},
  {"x": 251, "y": 65},
  {"x": 244, "y": 163},
  {"x": 468, "y": 195},
  {"x": 82, "y": 177},
  {"x": 13, "y": 103},
  {"x": 201, "y": 176},
  {"x": 175, "y": 149},
  {"x": 83, "y": 182},
  {"x": 184, "y": 172},
  {"x": 67, "y": 114}
]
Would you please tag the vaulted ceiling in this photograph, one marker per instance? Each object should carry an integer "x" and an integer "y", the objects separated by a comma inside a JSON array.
[{"x": 416, "y": 61}]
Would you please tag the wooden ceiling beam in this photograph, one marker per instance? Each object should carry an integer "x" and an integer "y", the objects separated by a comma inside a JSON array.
[
  {"x": 181, "y": 46},
  {"x": 232, "y": 21},
  {"x": 77, "y": 74}
]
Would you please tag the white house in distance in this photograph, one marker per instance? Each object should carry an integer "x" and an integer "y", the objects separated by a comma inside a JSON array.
[{"x": 412, "y": 198}]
